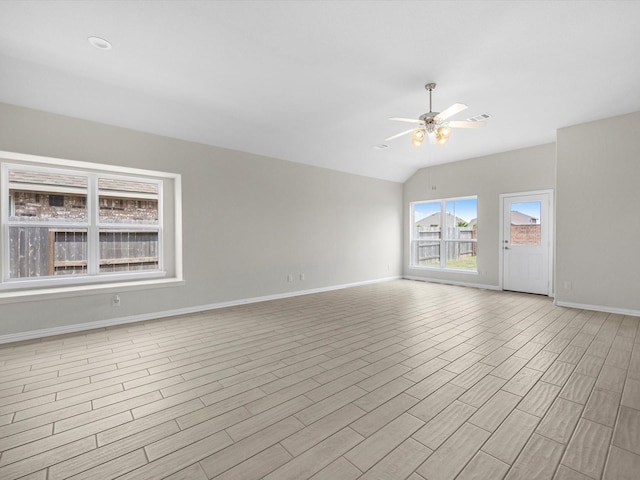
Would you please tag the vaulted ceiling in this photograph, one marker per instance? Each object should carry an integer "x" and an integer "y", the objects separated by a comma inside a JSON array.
[{"x": 316, "y": 81}]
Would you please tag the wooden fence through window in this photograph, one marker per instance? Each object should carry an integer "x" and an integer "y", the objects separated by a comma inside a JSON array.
[
  {"x": 427, "y": 244},
  {"x": 44, "y": 251}
]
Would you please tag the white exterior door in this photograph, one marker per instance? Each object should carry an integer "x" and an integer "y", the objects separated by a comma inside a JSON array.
[{"x": 526, "y": 242}]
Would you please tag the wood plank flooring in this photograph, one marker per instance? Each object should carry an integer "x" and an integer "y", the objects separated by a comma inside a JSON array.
[{"x": 395, "y": 380}]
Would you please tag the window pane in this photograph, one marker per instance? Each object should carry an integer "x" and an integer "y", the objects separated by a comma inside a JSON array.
[
  {"x": 525, "y": 223},
  {"x": 43, "y": 196},
  {"x": 125, "y": 251},
  {"x": 45, "y": 252},
  {"x": 128, "y": 202},
  {"x": 462, "y": 213},
  {"x": 426, "y": 214},
  {"x": 426, "y": 234},
  {"x": 427, "y": 253},
  {"x": 461, "y": 255},
  {"x": 462, "y": 224}
]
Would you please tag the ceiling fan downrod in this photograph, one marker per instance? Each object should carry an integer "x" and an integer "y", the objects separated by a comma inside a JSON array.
[
  {"x": 428, "y": 119},
  {"x": 430, "y": 87}
]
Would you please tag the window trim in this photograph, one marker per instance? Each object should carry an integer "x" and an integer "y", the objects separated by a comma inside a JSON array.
[
  {"x": 170, "y": 260},
  {"x": 442, "y": 240}
]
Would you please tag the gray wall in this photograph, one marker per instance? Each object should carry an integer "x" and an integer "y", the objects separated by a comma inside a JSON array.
[
  {"x": 248, "y": 221},
  {"x": 597, "y": 221},
  {"x": 487, "y": 177}
]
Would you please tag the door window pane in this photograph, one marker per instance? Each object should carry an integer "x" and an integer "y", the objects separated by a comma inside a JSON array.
[{"x": 525, "y": 223}]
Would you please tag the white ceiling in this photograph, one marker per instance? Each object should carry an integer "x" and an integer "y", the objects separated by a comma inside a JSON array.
[{"x": 315, "y": 81}]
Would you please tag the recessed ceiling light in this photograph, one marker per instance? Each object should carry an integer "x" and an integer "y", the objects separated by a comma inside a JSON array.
[{"x": 99, "y": 43}]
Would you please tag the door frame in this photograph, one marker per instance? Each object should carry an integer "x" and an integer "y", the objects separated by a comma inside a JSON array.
[{"x": 550, "y": 220}]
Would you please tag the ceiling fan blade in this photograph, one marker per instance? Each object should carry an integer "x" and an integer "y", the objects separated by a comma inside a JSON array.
[
  {"x": 402, "y": 119},
  {"x": 466, "y": 124},
  {"x": 392, "y": 137},
  {"x": 449, "y": 112}
]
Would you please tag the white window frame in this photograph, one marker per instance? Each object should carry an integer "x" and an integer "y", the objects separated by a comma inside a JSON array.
[
  {"x": 443, "y": 241},
  {"x": 169, "y": 260}
]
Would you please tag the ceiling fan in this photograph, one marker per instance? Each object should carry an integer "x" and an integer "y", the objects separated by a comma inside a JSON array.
[{"x": 434, "y": 125}]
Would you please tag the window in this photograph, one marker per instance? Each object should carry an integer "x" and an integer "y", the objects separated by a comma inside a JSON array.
[
  {"x": 71, "y": 225},
  {"x": 56, "y": 200},
  {"x": 444, "y": 233}
]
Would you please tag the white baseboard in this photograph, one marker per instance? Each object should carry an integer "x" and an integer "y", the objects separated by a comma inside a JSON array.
[
  {"x": 452, "y": 282},
  {"x": 598, "y": 308},
  {"x": 48, "y": 332}
]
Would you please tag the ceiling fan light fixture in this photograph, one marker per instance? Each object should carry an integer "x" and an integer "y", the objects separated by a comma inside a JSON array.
[
  {"x": 445, "y": 131},
  {"x": 418, "y": 137},
  {"x": 442, "y": 135}
]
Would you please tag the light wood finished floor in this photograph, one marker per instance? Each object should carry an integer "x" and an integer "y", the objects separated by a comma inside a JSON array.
[{"x": 392, "y": 381}]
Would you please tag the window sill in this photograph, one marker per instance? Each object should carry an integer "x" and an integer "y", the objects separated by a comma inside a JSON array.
[
  {"x": 25, "y": 295},
  {"x": 447, "y": 270}
]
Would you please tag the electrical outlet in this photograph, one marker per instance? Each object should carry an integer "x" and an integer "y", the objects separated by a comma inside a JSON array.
[
  {"x": 302, "y": 276},
  {"x": 567, "y": 285},
  {"x": 115, "y": 301},
  {"x": 289, "y": 278}
]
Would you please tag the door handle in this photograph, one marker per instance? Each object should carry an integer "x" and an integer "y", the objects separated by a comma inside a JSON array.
[{"x": 507, "y": 248}]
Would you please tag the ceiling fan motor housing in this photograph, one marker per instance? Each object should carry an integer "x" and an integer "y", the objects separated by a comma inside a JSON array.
[{"x": 429, "y": 120}]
